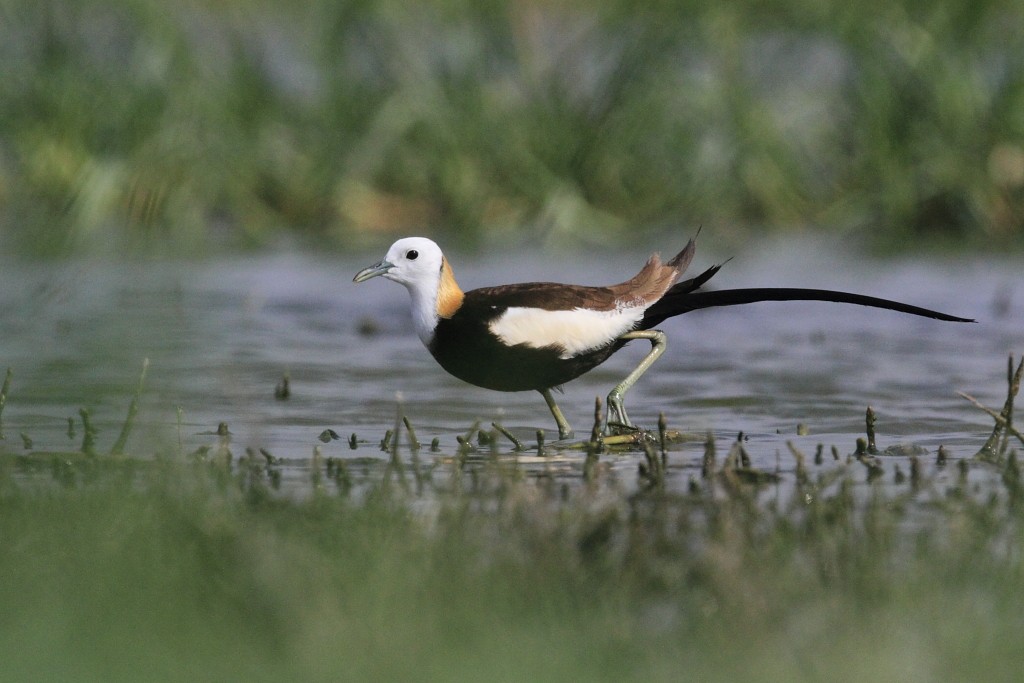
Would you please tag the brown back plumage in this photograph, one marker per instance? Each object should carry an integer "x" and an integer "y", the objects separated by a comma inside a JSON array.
[{"x": 647, "y": 286}]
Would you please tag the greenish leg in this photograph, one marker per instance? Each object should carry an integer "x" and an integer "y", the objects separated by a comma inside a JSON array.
[
  {"x": 564, "y": 430},
  {"x": 617, "y": 417}
]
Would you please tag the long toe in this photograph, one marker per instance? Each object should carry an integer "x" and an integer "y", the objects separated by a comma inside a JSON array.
[{"x": 617, "y": 421}]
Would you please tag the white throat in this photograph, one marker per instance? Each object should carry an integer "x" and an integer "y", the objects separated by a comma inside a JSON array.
[{"x": 424, "y": 310}]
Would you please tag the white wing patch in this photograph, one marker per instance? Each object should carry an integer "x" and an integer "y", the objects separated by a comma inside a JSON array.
[{"x": 575, "y": 331}]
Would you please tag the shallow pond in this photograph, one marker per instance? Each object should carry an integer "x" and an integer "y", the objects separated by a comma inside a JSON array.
[{"x": 220, "y": 334}]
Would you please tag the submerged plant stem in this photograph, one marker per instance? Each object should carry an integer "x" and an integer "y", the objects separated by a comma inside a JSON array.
[
  {"x": 89, "y": 433},
  {"x": 3, "y": 399},
  {"x": 509, "y": 435},
  {"x": 133, "y": 408}
]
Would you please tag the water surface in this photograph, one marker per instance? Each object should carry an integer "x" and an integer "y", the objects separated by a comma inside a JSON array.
[{"x": 220, "y": 335}]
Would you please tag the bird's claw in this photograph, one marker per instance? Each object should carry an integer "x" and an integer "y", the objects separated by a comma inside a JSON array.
[{"x": 617, "y": 422}]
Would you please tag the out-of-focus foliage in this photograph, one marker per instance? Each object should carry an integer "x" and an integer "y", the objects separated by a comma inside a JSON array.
[{"x": 183, "y": 120}]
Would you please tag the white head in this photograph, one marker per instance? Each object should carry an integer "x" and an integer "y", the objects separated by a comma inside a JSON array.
[
  {"x": 418, "y": 264},
  {"x": 412, "y": 261}
]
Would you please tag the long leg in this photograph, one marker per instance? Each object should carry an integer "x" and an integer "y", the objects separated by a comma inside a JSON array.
[
  {"x": 564, "y": 430},
  {"x": 616, "y": 409}
]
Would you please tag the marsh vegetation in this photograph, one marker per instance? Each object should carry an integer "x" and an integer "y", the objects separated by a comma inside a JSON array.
[
  {"x": 194, "y": 123},
  {"x": 453, "y": 564}
]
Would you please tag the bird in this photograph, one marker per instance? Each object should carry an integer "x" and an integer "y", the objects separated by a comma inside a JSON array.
[{"x": 540, "y": 335}]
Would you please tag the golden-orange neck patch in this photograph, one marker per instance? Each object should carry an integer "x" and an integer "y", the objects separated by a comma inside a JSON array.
[{"x": 449, "y": 295}]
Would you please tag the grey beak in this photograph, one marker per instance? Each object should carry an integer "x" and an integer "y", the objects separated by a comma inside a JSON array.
[{"x": 373, "y": 271}]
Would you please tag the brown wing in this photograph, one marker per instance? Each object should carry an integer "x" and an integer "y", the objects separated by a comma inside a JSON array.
[
  {"x": 649, "y": 285},
  {"x": 549, "y": 296}
]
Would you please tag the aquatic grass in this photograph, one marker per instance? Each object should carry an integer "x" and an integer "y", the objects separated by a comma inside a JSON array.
[
  {"x": 996, "y": 445},
  {"x": 366, "y": 593}
]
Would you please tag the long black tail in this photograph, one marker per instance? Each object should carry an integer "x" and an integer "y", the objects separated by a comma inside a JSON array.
[{"x": 683, "y": 298}]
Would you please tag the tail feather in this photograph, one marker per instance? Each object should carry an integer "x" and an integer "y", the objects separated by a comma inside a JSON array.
[
  {"x": 683, "y": 298},
  {"x": 655, "y": 279},
  {"x": 681, "y": 261}
]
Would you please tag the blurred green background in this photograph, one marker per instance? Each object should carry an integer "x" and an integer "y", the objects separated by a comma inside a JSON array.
[{"x": 190, "y": 124}]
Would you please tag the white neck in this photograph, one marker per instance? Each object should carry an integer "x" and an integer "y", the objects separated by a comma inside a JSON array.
[{"x": 424, "y": 311}]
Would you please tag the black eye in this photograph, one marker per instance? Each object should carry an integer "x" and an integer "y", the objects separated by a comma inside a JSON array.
[{"x": 412, "y": 254}]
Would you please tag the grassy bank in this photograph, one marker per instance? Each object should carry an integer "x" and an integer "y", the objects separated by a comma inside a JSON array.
[{"x": 194, "y": 123}]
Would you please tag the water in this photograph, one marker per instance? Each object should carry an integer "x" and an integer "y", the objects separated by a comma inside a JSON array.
[{"x": 220, "y": 335}]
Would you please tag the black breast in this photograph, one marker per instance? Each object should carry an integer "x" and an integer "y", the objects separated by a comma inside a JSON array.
[{"x": 466, "y": 348}]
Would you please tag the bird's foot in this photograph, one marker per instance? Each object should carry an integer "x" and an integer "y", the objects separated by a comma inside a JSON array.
[
  {"x": 564, "y": 430},
  {"x": 619, "y": 429},
  {"x": 617, "y": 421}
]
